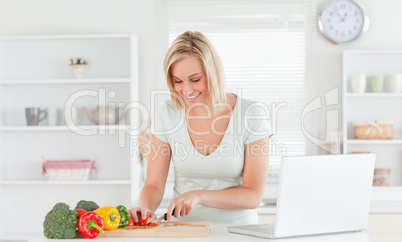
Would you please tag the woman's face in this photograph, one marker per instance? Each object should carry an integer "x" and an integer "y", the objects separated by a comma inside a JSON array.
[{"x": 190, "y": 81}]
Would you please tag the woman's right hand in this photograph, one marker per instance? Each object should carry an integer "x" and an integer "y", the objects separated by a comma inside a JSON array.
[{"x": 140, "y": 212}]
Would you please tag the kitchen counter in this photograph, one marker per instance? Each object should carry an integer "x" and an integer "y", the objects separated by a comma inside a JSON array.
[
  {"x": 219, "y": 233},
  {"x": 384, "y": 225},
  {"x": 375, "y": 208}
]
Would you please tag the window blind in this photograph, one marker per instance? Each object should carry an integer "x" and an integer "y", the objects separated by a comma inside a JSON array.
[{"x": 267, "y": 49}]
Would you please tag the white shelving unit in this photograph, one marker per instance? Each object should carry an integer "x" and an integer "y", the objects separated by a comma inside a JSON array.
[
  {"x": 374, "y": 142},
  {"x": 374, "y": 106},
  {"x": 50, "y": 183},
  {"x": 373, "y": 95},
  {"x": 64, "y": 128},
  {"x": 35, "y": 72},
  {"x": 67, "y": 81}
]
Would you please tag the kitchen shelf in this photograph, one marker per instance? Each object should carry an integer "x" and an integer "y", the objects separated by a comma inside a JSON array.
[
  {"x": 369, "y": 106},
  {"x": 375, "y": 141},
  {"x": 386, "y": 193},
  {"x": 64, "y": 128},
  {"x": 370, "y": 95},
  {"x": 67, "y": 81},
  {"x": 37, "y": 75},
  {"x": 75, "y": 183},
  {"x": 66, "y": 37}
]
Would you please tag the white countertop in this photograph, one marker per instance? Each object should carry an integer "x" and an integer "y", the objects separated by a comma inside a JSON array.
[
  {"x": 219, "y": 233},
  {"x": 375, "y": 208}
]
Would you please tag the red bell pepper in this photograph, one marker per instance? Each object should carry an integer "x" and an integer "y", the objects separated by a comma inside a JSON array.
[
  {"x": 143, "y": 222},
  {"x": 80, "y": 212},
  {"x": 90, "y": 225},
  {"x": 131, "y": 222}
]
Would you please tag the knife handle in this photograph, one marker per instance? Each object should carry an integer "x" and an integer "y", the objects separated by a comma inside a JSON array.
[{"x": 165, "y": 218}]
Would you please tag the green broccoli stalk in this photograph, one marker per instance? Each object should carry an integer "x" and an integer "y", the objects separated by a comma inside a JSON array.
[
  {"x": 60, "y": 222},
  {"x": 86, "y": 205}
]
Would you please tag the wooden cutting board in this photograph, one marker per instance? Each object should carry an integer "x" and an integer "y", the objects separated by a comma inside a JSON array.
[{"x": 165, "y": 229}]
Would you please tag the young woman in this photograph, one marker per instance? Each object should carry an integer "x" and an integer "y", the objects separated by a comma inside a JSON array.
[{"x": 217, "y": 141}]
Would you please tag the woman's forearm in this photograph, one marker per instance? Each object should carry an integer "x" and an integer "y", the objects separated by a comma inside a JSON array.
[
  {"x": 151, "y": 196},
  {"x": 233, "y": 198}
]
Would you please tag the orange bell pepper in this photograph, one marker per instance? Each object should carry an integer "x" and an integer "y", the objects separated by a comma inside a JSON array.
[{"x": 110, "y": 216}]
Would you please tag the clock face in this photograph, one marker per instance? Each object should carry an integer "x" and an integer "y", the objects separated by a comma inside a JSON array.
[{"x": 342, "y": 21}]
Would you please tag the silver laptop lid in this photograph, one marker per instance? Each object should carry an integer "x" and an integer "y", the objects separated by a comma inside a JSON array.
[{"x": 324, "y": 194}]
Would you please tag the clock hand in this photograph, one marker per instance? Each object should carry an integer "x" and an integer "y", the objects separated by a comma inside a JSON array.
[
  {"x": 341, "y": 19},
  {"x": 348, "y": 16}
]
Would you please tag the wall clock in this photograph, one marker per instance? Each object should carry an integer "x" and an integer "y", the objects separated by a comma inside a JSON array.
[{"x": 342, "y": 21}]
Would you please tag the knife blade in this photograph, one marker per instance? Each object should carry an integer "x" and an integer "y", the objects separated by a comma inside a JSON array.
[{"x": 163, "y": 217}]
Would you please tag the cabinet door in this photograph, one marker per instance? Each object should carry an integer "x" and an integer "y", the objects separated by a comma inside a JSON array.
[
  {"x": 385, "y": 224},
  {"x": 386, "y": 237}
]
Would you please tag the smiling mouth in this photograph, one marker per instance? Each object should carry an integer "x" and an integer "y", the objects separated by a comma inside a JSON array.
[{"x": 192, "y": 98}]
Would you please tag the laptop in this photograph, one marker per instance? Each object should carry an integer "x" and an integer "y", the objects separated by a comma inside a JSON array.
[{"x": 319, "y": 195}]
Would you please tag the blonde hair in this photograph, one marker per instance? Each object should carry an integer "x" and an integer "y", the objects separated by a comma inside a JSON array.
[{"x": 195, "y": 43}]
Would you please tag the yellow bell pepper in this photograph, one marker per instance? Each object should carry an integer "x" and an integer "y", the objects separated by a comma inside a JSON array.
[{"x": 110, "y": 216}]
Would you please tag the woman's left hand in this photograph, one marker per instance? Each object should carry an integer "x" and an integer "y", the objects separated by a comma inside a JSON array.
[{"x": 183, "y": 204}]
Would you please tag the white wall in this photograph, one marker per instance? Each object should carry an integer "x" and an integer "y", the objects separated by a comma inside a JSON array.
[{"x": 44, "y": 17}]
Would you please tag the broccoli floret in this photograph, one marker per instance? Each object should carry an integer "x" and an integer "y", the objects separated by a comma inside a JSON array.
[
  {"x": 86, "y": 205},
  {"x": 60, "y": 222}
]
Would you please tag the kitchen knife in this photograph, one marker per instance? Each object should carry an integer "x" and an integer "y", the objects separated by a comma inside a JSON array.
[{"x": 163, "y": 217}]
